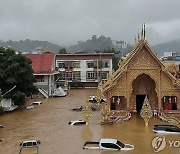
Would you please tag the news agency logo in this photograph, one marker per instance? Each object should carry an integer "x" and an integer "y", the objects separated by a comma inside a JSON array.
[{"x": 159, "y": 143}]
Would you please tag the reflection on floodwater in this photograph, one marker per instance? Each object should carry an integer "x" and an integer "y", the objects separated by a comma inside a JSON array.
[{"x": 49, "y": 123}]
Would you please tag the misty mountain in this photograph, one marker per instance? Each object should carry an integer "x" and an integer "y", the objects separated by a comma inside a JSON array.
[
  {"x": 29, "y": 45},
  {"x": 92, "y": 45},
  {"x": 172, "y": 46},
  {"x": 99, "y": 44}
]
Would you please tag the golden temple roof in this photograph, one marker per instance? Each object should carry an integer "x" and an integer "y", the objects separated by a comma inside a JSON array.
[{"x": 123, "y": 65}]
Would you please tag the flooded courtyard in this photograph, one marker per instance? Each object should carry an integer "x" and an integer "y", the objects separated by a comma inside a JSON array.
[{"x": 49, "y": 123}]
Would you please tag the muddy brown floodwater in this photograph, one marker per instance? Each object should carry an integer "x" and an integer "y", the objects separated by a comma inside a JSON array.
[{"x": 49, "y": 123}]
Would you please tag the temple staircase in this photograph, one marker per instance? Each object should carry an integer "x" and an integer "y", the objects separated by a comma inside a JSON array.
[{"x": 43, "y": 92}]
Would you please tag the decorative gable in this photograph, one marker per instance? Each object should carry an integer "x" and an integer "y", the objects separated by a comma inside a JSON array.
[{"x": 143, "y": 60}]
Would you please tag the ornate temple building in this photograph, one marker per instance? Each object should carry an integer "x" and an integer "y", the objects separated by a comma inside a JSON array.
[{"x": 142, "y": 73}]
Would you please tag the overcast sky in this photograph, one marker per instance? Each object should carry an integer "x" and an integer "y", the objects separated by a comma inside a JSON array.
[{"x": 65, "y": 22}]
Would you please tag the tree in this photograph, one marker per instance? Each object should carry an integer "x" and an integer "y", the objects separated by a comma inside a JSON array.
[
  {"x": 63, "y": 51},
  {"x": 116, "y": 57},
  {"x": 15, "y": 69},
  {"x": 81, "y": 52}
]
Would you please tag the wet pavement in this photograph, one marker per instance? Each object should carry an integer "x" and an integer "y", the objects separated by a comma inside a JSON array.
[{"x": 49, "y": 123}]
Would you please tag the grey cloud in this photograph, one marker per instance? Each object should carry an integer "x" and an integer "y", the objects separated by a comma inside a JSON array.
[{"x": 68, "y": 21}]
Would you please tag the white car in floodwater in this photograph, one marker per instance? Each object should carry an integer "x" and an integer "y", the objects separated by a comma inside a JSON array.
[
  {"x": 29, "y": 107},
  {"x": 1, "y": 126},
  {"x": 77, "y": 122},
  {"x": 108, "y": 144},
  {"x": 30, "y": 143},
  {"x": 37, "y": 103}
]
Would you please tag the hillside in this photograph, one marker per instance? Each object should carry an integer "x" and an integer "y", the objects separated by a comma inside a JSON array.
[
  {"x": 99, "y": 44},
  {"x": 89, "y": 46},
  {"x": 173, "y": 46},
  {"x": 29, "y": 45}
]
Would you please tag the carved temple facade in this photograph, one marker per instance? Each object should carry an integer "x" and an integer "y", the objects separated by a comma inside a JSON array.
[{"x": 142, "y": 73}]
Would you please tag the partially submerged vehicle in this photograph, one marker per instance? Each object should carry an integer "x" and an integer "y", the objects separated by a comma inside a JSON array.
[
  {"x": 77, "y": 122},
  {"x": 166, "y": 129},
  {"x": 30, "y": 143},
  {"x": 1, "y": 126},
  {"x": 78, "y": 109},
  {"x": 37, "y": 103},
  {"x": 92, "y": 99},
  {"x": 29, "y": 107},
  {"x": 83, "y": 107},
  {"x": 108, "y": 144}
]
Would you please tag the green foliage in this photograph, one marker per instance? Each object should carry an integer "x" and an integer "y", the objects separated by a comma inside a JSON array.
[
  {"x": 16, "y": 69},
  {"x": 63, "y": 51},
  {"x": 81, "y": 52},
  {"x": 116, "y": 56},
  {"x": 19, "y": 98},
  {"x": 29, "y": 45},
  {"x": 93, "y": 44}
]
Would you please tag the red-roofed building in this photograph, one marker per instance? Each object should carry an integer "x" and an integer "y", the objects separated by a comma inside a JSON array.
[{"x": 44, "y": 71}]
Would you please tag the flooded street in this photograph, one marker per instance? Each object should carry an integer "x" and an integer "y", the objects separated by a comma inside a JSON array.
[{"x": 49, "y": 123}]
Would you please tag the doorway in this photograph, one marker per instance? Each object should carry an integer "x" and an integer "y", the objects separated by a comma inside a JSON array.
[{"x": 139, "y": 102}]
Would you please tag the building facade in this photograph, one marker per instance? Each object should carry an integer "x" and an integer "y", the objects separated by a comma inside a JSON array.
[
  {"x": 43, "y": 66},
  {"x": 142, "y": 73},
  {"x": 83, "y": 70}
]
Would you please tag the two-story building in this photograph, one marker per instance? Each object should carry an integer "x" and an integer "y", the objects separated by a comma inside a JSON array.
[
  {"x": 44, "y": 72},
  {"x": 83, "y": 70}
]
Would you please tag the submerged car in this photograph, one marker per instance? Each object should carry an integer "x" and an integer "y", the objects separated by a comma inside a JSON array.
[
  {"x": 108, "y": 144},
  {"x": 30, "y": 143},
  {"x": 92, "y": 99},
  {"x": 77, "y": 122},
  {"x": 1, "y": 126},
  {"x": 37, "y": 103},
  {"x": 78, "y": 109},
  {"x": 166, "y": 129},
  {"x": 29, "y": 107}
]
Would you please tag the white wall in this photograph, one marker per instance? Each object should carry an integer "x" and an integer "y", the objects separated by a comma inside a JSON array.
[{"x": 83, "y": 70}]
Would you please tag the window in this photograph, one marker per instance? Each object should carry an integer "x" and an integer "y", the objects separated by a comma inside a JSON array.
[
  {"x": 76, "y": 75},
  {"x": 40, "y": 78},
  {"x": 103, "y": 64},
  {"x": 62, "y": 76},
  {"x": 110, "y": 145},
  {"x": 76, "y": 64},
  {"x": 61, "y": 65},
  {"x": 120, "y": 144},
  {"x": 68, "y": 75},
  {"x": 103, "y": 75},
  {"x": 29, "y": 144},
  {"x": 91, "y": 64},
  {"x": 106, "y": 64},
  {"x": 169, "y": 102},
  {"x": 34, "y": 143},
  {"x": 90, "y": 75}
]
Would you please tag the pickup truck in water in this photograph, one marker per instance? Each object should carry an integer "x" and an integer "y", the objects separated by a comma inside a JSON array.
[{"x": 108, "y": 144}]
